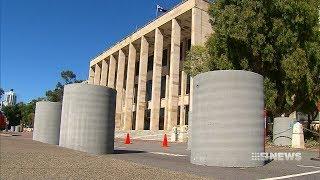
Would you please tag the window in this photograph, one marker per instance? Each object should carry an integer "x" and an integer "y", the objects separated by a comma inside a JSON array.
[
  {"x": 149, "y": 90},
  {"x": 188, "y": 85},
  {"x": 165, "y": 57},
  {"x": 125, "y": 75},
  {"x": 161, "y": 119},
  {"x": 180, "y": 76},
  {"x": 178, "y": 116},
  {"x": 187, "y": 115},
  {"x": 133, "y": 120},
  {"x": 135, "y": 93},
  {"x": 147, "y": 119},
  {"x": 181, "y": 50},
  {"x": 137, "y": 68},
  {"x": 150, "y": 63},
  {"x": 163, "y": 86}
]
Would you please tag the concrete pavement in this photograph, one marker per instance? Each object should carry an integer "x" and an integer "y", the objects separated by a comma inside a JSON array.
[{"x": 22, "y": 157}]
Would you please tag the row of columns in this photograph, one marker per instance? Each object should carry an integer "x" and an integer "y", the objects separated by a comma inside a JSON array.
[{"x": 104, "y": 74}]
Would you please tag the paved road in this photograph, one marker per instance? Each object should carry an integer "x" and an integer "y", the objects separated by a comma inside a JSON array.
[
  {"x": 176, "y": 158},
  {"x": 22, "y": 157}
]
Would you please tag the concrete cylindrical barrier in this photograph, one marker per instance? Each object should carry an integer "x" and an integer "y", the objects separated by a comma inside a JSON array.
[
  {"x": 282, "y": 131},
  {"x": 12, "y": 129},
  {"x": 47, "y": 122},
  {"x": 88, "y": 118},
  {"x": 227, "y": 119}
]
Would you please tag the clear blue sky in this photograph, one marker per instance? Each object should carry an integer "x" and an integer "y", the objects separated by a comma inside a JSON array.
[{"x": 40, "y": 38}]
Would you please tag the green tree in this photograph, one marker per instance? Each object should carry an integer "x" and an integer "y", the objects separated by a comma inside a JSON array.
[
  {"x": 13, "y": 114},
  {"x": 56, "y": 95},
  {"x": 279, "y": 39},
  {"x": 197, "y": 61},
  {"x": 68, "y": 76},
  {"x": 1, "y": 93}
]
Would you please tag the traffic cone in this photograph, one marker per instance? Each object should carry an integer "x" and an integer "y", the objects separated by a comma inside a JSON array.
[
  {"x": 127, "y": 139},
  {"x": 165, "y": 141}
]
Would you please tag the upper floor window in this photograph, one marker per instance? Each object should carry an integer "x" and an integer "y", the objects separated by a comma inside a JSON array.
[{"x": 150, "y": 63}]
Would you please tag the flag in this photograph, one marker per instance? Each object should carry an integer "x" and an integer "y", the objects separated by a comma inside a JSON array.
[{"x": 161, "y": 9}]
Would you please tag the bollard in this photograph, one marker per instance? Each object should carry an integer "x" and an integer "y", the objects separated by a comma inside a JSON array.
[
  {"x": 17, "y": 128},
  {"x": 297, "y": 136},
  {"x": 182, "y": 135},
  {"x": 174, "y": 134}
]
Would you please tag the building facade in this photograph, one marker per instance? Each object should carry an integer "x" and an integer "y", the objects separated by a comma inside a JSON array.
[
  {"x": 146, "y": 69},
  {"x": 10, "y": 99}
]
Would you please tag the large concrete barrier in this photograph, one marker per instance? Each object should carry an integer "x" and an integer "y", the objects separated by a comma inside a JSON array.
[
  {"x": 47, "y": 122},
  {"x": 88, "y": 118},
  {"x": 227, "y": 119}
]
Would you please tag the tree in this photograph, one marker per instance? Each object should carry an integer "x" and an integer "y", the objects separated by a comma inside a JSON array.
[
  {"x": 1, "y": 93},
  {"x": 279, "y": 39},
  {"x": 68, "y": 76},
  {"x": 198, "y": 60},
  {"x": 56, "y": 95},
  {"x": 13, "y": 114}
]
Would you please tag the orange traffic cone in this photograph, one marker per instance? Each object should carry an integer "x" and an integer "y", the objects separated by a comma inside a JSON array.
[
  {"x": 127, "y": 139},
  {"x": 165, "y": 141}
]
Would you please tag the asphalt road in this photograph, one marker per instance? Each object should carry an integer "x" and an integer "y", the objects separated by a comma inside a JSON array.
[
  {"x": 22, "y": 158},
  {"x": 176, "y": 158}
]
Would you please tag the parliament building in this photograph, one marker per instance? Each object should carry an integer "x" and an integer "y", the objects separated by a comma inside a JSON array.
[{"x": 146, "y": 69}]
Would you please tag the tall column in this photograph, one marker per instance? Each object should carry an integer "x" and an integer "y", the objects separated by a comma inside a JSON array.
[
  {"x": 195, "y": 40},
  {"x": 129, "y": 88},
  {"x": 174, "y": 74},
  {"x": 91, "y": 76},
  {"x": 196, "y": 33},
  {"x": 119, "y": 88},
  {"x": 183, "y": 85},
  {"x": 183, "y": 93},
  {"x": 97, "y": 73},
  {"x": 166, "y": 107},
  {"x": 112, "y": 71},
  {"x": 141, "y": 97},
  {"x": 104, "y": 73},
  {"x": 156, "y": 80}
]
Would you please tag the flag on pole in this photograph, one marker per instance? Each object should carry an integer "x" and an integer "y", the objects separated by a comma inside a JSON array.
[{"x": 160, "y": 9}]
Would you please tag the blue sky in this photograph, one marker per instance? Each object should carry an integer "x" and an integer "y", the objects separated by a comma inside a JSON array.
[{"x": 40, "y": 38}]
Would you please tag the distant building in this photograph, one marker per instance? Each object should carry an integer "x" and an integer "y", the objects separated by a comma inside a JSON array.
[
  {"x": 10, "y": 98},
  {"x": 153, "y": 91}
]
